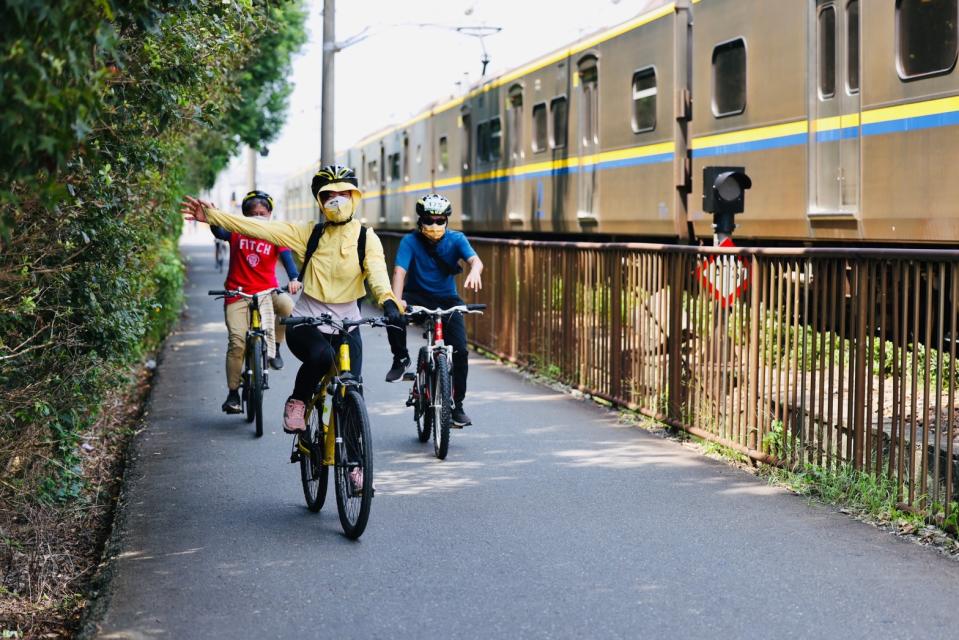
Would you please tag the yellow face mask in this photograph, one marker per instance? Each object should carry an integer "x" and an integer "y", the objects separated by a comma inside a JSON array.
[
  {"x": 338, "y": 209},
  {"x": 433, "y": 231}
]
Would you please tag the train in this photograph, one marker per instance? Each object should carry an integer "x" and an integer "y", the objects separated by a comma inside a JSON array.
[{"x": 844, "y": 114}]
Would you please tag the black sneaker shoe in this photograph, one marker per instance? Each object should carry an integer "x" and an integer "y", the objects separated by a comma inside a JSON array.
[
  {"x": 398, "y": 369},
  {"x": 460, "y": 419},
  {"x": 276, "y": 362},
  {"x": 233, "y": 404}
]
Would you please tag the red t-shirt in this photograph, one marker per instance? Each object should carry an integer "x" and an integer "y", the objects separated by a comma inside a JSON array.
[{"x": 252, "y": 265}]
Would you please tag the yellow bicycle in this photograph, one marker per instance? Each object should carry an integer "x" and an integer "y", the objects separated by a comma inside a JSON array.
[{"x": 337, "y": 435}]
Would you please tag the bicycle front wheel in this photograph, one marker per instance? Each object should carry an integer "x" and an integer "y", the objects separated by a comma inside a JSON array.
[
  {"x": 312, "y": 472},
  {"x": 248, "y": 382},
  {"x": 441, "y": 409},
  {"x": 256, "y": 383},
  {"x": 354, "y": 464}
]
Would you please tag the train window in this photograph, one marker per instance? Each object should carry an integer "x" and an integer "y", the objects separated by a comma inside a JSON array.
[
  {"x": 827, "y": 52},
  {"x": 852, "y": 47},
  {"x": 729, "y": 78},
  {"x": 373, "y": 172},
  {"x": 514, "y": 121},
  {"x": 494, "y": 145},
  {"x": 644, "y": 100},
  {"x": 365, "y": 176},
  {"x": 558, "y": 109},
  {"x": 482, "y": 142},
  {"x": 539, "y": 127},
  {"x": 406, "y": 159},
  {"x": 394, "y": 160},
  {"x": 419, "y": 153},
  {"x": 927, "y": 36},
  {"x": 444, "y": 154}
]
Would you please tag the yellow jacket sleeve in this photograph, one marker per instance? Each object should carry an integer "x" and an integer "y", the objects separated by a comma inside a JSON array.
[
  {"x": 374, "y": 266},
  {"x": 284, "y": 234}
]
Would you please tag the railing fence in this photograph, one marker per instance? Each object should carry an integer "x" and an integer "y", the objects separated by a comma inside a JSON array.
[{"x": 790, "y": 356}]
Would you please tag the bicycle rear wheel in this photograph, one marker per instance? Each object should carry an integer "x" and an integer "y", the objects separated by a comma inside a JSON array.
[
  {"x": 353, "y": 472},
  {"x": 441, "y": 406},
  {"x": 256, "y": 383},
  {"x": 312, "y": 472},
  {"x": 421, "y": 411}
]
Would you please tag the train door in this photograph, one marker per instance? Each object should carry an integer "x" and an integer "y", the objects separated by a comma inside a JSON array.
[
  {"x": 834, "y": 108},
  {"x": 588, "y": 138},
  {"x": 514, "y": 156},
  {"x": 466, "y": 121}
]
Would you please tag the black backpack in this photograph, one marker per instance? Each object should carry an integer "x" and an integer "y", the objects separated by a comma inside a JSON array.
[{"x": 314, "y": 242}]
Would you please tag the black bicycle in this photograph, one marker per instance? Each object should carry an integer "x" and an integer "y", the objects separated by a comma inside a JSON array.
[
  {"x": 254, "y": 379},
  {"x": 337, "y": 435},
  {"x": 432, "y": 394}
]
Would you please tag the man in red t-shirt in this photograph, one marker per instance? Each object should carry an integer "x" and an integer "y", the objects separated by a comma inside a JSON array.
[{"x": 252, "y": 269}]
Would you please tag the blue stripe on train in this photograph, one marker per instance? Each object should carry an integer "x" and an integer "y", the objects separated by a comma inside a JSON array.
[{"x": 873, "y": 129}]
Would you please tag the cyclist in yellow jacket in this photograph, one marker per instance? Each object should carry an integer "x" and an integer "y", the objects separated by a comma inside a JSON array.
[{"x": 332, "y": 280}]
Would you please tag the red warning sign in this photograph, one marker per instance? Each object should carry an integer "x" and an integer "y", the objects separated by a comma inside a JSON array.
[{"x": 725, "y": 277}]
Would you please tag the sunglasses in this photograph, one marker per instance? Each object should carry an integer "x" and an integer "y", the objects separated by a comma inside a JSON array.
[{"x": 433, "y": 219}]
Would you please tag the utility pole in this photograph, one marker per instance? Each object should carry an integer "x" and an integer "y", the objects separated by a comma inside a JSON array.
[
  {"x": 326, "y": 110},
  {"x": 250, "y": 169}
]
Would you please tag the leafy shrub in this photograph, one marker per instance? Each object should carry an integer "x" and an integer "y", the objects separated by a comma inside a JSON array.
[{"x": 113, "y": 109}]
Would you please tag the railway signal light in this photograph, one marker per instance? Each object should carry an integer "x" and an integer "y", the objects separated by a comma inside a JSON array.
[{"x": 724, "y": 195}]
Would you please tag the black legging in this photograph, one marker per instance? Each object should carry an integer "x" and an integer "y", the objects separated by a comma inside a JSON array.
[
  {"x": 318, "y": 351},
  {"x": 454, "y": 330}
]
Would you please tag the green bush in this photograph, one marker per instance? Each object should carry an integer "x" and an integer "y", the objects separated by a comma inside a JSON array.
[{"x": 112, "y": 110}]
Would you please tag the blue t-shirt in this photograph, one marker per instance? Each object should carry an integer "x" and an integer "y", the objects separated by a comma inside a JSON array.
[{"x": 422, "y": 272}]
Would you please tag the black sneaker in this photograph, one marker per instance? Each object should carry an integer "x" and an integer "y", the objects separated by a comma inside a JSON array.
[
  {"x": 398, "y": 369},
  {"x": 233, "y": 404},
  {"x": 460, "y": 419},
  {"x": 276, "y": 362}
]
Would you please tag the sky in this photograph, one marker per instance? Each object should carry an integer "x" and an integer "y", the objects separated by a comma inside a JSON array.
[{"x": 399, "y": 68}]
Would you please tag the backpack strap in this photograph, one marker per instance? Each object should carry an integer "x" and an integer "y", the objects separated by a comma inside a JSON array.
[
  {"x": 313, "y": 243},
  {"x": 361, "y": 246},
  {"x": 433, "y": 253}
]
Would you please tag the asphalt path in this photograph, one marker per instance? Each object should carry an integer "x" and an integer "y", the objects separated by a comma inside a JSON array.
[{"x": 548, "y": 519}]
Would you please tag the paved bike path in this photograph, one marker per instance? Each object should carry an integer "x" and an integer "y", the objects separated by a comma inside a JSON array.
[{"x": 547, "y": 520}]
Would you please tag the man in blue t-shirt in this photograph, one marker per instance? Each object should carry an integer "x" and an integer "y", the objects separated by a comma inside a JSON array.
[{"x": 426, "y": 263}]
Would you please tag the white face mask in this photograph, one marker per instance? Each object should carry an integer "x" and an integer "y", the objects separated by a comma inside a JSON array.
[{"x": 338, "y": 209}]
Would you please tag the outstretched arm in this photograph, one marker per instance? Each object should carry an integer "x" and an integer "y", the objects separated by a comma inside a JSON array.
[{"x": 283, "y": 234}]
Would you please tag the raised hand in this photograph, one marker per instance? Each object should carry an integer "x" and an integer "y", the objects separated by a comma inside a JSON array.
[
  {"x": 194, "y": 208},
  {"x": 474, "y": 280}
]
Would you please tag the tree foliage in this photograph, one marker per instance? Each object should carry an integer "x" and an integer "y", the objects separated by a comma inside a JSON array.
[{"x": 113, "y": 109}]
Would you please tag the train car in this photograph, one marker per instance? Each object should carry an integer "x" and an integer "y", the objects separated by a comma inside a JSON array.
[{"x": 843, "y": 112}]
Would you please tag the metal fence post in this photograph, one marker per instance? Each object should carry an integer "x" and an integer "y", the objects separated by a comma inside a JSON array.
[{"x": 676, "y": 263}]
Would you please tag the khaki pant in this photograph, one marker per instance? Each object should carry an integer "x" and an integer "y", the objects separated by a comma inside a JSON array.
[{"x": 237, "y": 316}]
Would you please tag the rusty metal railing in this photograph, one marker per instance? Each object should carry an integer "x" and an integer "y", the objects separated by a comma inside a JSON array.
[{"x": 790, "y": 356}]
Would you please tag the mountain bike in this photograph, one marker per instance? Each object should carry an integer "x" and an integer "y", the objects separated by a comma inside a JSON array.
[
  {"x": 432, "y": 393},
  {"x": 337, "y": 435},
  {"x": 219, "y": 253},
  {"x": 254, "y": 379}
]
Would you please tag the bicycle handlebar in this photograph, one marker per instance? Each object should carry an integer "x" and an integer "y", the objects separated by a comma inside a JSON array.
[
  {"x": 327, "y": 319},
  {"x": 416, "y": 310},
  {"x": 243, "y": 294}
]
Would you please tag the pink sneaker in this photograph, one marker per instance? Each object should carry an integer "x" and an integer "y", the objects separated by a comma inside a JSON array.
[
  {"x": 293, "y": 416},
  {"x": 356, "y": 477}
]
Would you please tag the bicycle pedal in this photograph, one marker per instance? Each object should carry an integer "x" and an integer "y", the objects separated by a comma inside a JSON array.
[{"x": 409, "y": 376}]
